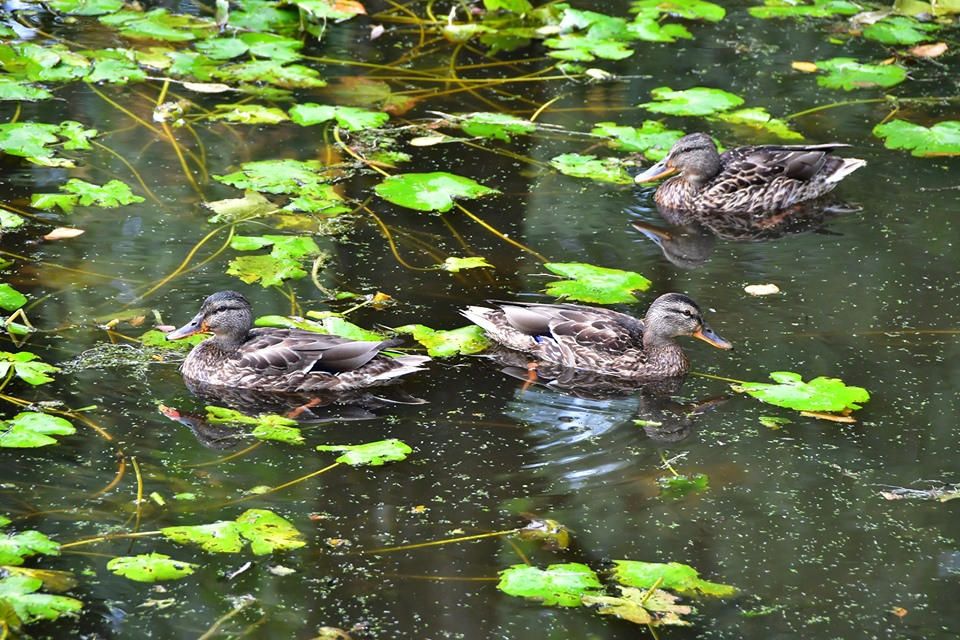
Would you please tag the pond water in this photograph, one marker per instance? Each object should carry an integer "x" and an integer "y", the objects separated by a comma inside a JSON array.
[{"x": 793, "y": 516}]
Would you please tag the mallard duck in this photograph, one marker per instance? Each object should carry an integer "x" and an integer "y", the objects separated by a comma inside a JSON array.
[
  {"x": 757, "y": 179},
  {"x": 597, "y": 339},
  {"x": 282, "y": 360}
]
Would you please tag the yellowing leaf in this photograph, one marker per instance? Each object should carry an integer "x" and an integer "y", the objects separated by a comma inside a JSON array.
[
  {"x": 62, "y": 233},
  {"x": 806, "y": 67}
]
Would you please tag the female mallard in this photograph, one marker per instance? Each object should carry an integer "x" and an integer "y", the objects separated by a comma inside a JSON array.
[
  {"x": 758, "y": 179},
  {"x": 282, "y": 360},
  {"x": 600, "y": 340}
]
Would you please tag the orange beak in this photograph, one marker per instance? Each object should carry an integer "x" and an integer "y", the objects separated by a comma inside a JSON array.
[
  {"x": 659, "y": 170},
  {"x": 197, "y": 325},
  {"x": 710, "y": 336}
]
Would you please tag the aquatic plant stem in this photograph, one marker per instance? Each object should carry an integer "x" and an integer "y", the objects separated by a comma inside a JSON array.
[
  {"x": 279, "y": 487},
  {"x": 434, "y": 543},
  {"x": 215, "y": 628},
  {"x": 138, "y": 514},
  {"x": 392, "y": 244},
  {"x": 181, "y": 268},
  {"x": 499, "y": 234}
]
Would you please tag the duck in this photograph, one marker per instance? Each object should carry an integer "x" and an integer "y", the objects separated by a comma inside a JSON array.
[
  {"x": 754, "y": 179},
  {"x": 598, "y": 339},
  {"x": 282, "y": 360}
]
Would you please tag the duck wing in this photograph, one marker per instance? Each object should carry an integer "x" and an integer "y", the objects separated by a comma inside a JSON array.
[
  {"x": 281, "y": 352},
  {"x": 594, "y": 328}
]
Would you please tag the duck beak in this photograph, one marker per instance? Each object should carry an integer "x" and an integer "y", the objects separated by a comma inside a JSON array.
[
  {"x": 659, "y": 170},
  {"x": 193, "y": 327},
  {"x": 707, "y": 334}
]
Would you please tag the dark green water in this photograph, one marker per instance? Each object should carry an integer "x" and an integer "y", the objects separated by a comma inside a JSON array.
[{"x": 793, "y": 517}]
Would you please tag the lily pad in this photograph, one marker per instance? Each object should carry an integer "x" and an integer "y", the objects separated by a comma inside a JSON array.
[
  {"x": 675, "y": 487},
  {"x": 265, "y": 530},
  {"x": 10, "y": 298},
  {"x": 20, "y": 90},
  {"x": 495, "y": 125},
  {"x": 687, "y": 9},
  {"x": 248, "y": 114},
  {"x": 698, "y": 101},
  {"x": 280, "y": 176},
  {"x": 150, "y": 567},
  {"x": 371, "y": 453},
  {"x": 652, "y": 608},
  {"x": 85, "y": 7},
  {"x": 791, "y": 9},
  {"x": 599, "y": 285},
  {"x": 112, "y": 194},
  {"x": 441, "y": 344},
  {"x": 579, "y": 166},
  {"x": 757, "y": 118},
  {"x": 675, "y": 576},
  {"x": 30, "y": 429},
  {"x": 653, "y": 138},
  {"x": 559, "y": 584},
  {"x": 648, "y": 26},
  {"x": 848, "y": 74},
  {"x": 578, "y": 48},
  {"x": 17, "y": 547},
  {"x": 942, "y": 139},
  {"x": 902, "y": 30},
  {"x": 350, "y": 118},
  {"x": 158, "y": 24},
  {"x": 820, "y": 394},
  {"x": 266, "y": 426},
  {"x": 26, "y": 366},
  {"x": 21, "y": 604},
  {"x": 459, "y": 264},
  {"x": 429, "y": 191}
]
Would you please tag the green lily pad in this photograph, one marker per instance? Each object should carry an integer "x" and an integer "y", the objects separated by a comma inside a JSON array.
[
  {"x": 265, "y": 530},
  {"x": 31, "y": 429},
  {"x": 112, "y": 194},
  {"x": 248, "y": 114},
  {"x": 429, "y": 191},
  {"x": 459, "y": 264},
  {"x": 698, "y": 101},
  {"x": 291, "y": 76},
  {"x": 10, "y": 298},
  {"x": 791, "y": 9},
  {"x": 675, "y": 487},
  {"x": 578, "y": 48},
  {"x": 653, "y": 139},
  {"x": 17, "y": 547},
  {"x": 9, "y": 220},
  {"x": 280, "y": 176},
  {"x": 675, "y": 576},
  {"x": 113, "y": 67},
  {"x": 902, "y": 30},
  {"x": 757, "y": 118},
  {"x": 218, "y": 537},
  {"x": 441, "y": 344},
  {"x": 85, "y": 7},
  {"x": 26, "y": 367},
  {"x": 648, "y": 26},
  {"x": 687, "y": 9},
  {"x": 820, "y": 394},
  {"x": 250, "y": 207},
  {"x": 495, "y": 125},
  {"x": 559, "y": 584},
  {"x": 19, "y": 90},
  {"x": 942, "y": 139},
  {"x": 350, "y": 118},
  {"x": 371, "y": 453},
  {"x": 21, "y": 604},
  {"x": 158, "y": 24},
  {"x": 848, "y": 74},
  {"x": 599, "y": 285},
  {"x": 604, "y": 170},
  {"x": 150, "y": 567},
  {"x": 266, "y": 426},
  {"x": 271, "y": 271},
  {"x": 513, "y": 6}
]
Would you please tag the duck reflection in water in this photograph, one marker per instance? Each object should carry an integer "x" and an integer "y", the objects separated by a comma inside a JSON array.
[{"x": 691, "y": 237}]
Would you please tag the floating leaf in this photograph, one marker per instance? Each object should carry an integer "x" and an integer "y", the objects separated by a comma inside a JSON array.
[
  {"x": 495, "y": 125},
  {"x": 559, "y": 584},
  {"x": 26, "y": 367},
  {"x": 440, "y": 344},
  {"x": 599, "y": 285},
  {"x": 371, "y": 453},
  {"x": 653, "y": 608},
  {"x": 513, "y": 6},
  {"x": 363, "y": 91},
  {"x": 791, "y": 9},
  {"x": 31, "y": 429},
  {"x": 758, "y": 118},
  {"x": 16, "y": 547},
  {"x": 266, "y": 531},
  {"x": 158, "y": 24},
  {"x": 218, "y": 537},
  {"x": 18, "y": 90},
  {"x": 271, "y": 271},
  {"x": 942, "y": 139},
  {"x": 251, "y": 206},
  {"x": 20, "y": 604},
  {"x": 291, "y": 76},
  {"x": 62, "y": 233},
  {"x": 248, "y": 114},
  {"x": 687, "y": 9},
  {"x": 10, "y": 298},
  {"x": 10, "y": 220},
  {"x": 429, "y": 191},
  {"x": 85, "y": 7},
  {"x": 150, "y": 567},
  {"x": 773, "y": 422},
  {"x": 698, "y": 101},
  {"x": 350, "y": 118},
  {"x": 266, "y": 426},
  {"x": 579, "y": 48},
  {"x": 578, "y": 166},
  {"x": 548, "y": 532},
  {"x": 331, "y": 9},
  {"x": 459, "y": 264},
  {"x": 113, "y": 194},
  {"x": 279, "y": 176},
  {"x": 648, "y": 26},
  {"x": 653, "y": 139},
  {"x": 675, "y": 487},
  {"x": 848, "y": 74},
  {"x": 678, "y": 577},
  {"x": 820, "y": 394},
  {"x": 900, "y": 30}
]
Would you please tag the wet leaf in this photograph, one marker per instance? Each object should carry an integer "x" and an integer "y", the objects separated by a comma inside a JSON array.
[
  {"x": 549, "y": 532},
  {"x": 495, "y": 125},
  {"x": 112, "y": 194},
  {"x": 820, "y": 394},
  {"x": 248, "y": 114},
  {"x": 28, "y": 138},
  {"x": 371, "y": 453},
  {"x": 641, "y": 607},
  {"x": 806, "y": 67},
  {"x": 19, "y": 90},
  {"x": 158, "y": 24},
  {"x": 757, "y": 118},
  {"x": 675, "y": 576},
  {"x": 675, "y": 487},
  {"x": 10, "y": 220},
  {"x": 114, "y": 70},
  {"x": 266, "y": 426},
  {"x": 687, "y": 9},
  {"x": 279, "y": 176},
  {"x": 10, "y": 298},
  {"x": 942, "y": 139},
  {"x": 901, "y": 30},
  {"x": 441, "y": 344},
  {"x": 331, "y": 9},
  {"x": 773, "y": 422},
  {"x": 599, "y": 285},
  {"x": 328, "y": 323},
  {"x": 653, "y": 139},
  {"x": 85, "y": 7},
  {"x": 282, "y": 246},
  {"x": 350, "y": 118},
  {"x": 270, "y": 270},
  {"x": 578, "y": 166},
  {"x": 17, "y": 547},
  {"x": 362, "y": 91},
  {"x": 429, "y": 191},
  {"x": 848, "y": 74},
  {"x": 513, "y": 6},
  {"x": 150, "y": 567},
  {"x": 292, "y": 76},
  {"x": 62, "y": 233},
  {"x": 268, "y": 532},
  {"x": 26, "y": 367},
  {"x": 30, "y": 429},
  {"x": 698, "y": 101},
  {"x": 219, "y": 537},
  {"x": 20, "y": 604},
  {"x": 559, "y": 584},
  {"x": 791, "y": 9},
  {"x": 251, "y": 206},
  {"x": 459, "y": 264},
  {"x": 929, "y": 50},
  {"x": 583, "y": 49}
]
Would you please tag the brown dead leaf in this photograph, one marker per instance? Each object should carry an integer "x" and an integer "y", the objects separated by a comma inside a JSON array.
[
  {"x": 806, "y": 67},
  {"x": 761, "y": 289},
  {"x": 348, "y": 6},
  {"x": 62, "y": 233},
  {"x": 898, "y": 611},
  {"x": 136, "y": 321},
  {"x": 887, "y": 62},
  {"x": 828, "y": 416},
  {"x": 929, "y": 50},
  {"x": 890, "y": 496}
]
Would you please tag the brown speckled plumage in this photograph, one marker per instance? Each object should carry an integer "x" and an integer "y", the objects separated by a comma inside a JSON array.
[
  {"x": 597, "y": 339},
  {"x": 756, "y": 179},
  {"x": 285, "y": 360}
]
